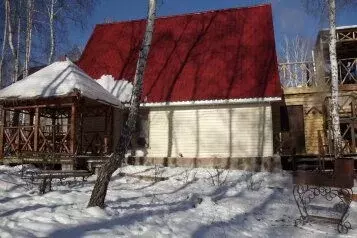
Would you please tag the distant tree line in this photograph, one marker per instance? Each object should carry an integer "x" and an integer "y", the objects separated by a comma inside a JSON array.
[{"x": 35, "y": 32}]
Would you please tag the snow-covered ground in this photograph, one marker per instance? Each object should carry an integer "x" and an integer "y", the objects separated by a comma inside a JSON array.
[{"x": 191, "y": 203}]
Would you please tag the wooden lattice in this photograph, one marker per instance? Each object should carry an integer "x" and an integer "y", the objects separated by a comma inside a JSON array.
[
  {"x": 18, "y": 139},
  {"x": 297, "y": 74},
  {"x": 347, "y": 108}
]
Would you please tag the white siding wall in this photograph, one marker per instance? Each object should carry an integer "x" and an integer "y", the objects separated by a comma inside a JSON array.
[{"x": 219, "y": 131}]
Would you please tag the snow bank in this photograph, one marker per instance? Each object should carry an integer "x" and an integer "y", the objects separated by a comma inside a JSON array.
[
  {"x": 58, "y": 79},
  {"x": 121, "y": 89}
]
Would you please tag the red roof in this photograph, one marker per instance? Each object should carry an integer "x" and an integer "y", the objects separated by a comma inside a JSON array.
[{"x": 224, "y": 54}]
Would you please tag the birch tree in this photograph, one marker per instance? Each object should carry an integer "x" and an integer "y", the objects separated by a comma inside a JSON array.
[
  {"x": 10, "y": 33},
  {"x": 100, "y": 188},
  {"x": 295, "y": 49},
  {"x": 4, "y": 41},
  {"x": 295, "y": 58},
  {"x": 61, "y": 13},
  {"x": 51, "y": 15},
  {"x": 334, "y": 79},
  {"x": 18, "y": 41},
  {"x": 30, "y": 9},
  {"x": 10, "y": 28},
  {"x": 14, "y": 12}
]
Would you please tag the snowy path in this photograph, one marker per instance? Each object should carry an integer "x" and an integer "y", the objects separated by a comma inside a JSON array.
[{"x": 242, "y": 205}]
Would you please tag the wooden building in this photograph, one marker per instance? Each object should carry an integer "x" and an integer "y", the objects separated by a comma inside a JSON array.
[
  {"x": 59, "y": 111},
  {"x": 304, "y": 127},
  {"x": 210, "y": 83}
]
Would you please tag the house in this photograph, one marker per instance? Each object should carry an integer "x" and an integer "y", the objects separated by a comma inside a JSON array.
[
  {"x": 64, "y": 113},
  {"x": 306, "y": 126},
  {"x": 210, "y": 83}
]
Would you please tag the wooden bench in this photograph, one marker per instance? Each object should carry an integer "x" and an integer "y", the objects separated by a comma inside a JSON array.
[
  {"x": 44, "y": 159},
  {"x": 46, "y": 176},
  {"x": 144, "y": 177}
]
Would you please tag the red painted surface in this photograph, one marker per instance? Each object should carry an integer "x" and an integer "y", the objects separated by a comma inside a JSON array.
[{"x": 224, "y": 54}]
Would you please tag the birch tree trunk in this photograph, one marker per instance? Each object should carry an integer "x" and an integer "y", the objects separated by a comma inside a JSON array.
[
  {"x": 11, "y": 37},
  {"x": 100, "y": 188},
  {"x": 17, "y": 59},
  {"x": 334, "y": 80},
  {"x": 52, "y": 32},
  {"x": 3, "y": 47},
  {"x": 10, "y": 32},
  {"x": 28, "y": 37}
]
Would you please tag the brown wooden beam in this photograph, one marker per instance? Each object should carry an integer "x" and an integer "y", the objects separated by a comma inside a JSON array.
[
  {"x": 53, "y": 120},
  {"x": 2, "y": 125},
  {"x": 39, "y": 105},
  {"x": 73, "y": 127},
  {"x": 36, "y": 128},
  {"x": 39, "y": 101},
  {"x": 80, "y": 141},
  {"x": 32, "y": 114},
  {"x": 106, "y": 136},
  {"x": 112, "y": 146},
  {"x": 353, "y": 136}
]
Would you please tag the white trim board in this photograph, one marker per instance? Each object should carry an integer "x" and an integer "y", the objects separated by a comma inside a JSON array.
[{"x": 212, "y": 102}]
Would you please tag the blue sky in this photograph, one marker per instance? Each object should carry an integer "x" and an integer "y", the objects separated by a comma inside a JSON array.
[{"x": 289, "y": 15}]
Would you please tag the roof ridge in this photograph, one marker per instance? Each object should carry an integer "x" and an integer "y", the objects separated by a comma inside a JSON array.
[{"x": 186, "y": 14}]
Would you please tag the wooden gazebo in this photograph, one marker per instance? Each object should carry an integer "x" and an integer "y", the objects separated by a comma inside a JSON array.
[{"x": 58, "y": 110}]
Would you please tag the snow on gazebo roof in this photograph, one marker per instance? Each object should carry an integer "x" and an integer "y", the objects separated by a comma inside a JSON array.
[{"x": 58, "y": 79}]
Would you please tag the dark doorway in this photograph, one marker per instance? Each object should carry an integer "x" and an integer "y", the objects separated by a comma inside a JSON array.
[{"x": 292, "y": 130}]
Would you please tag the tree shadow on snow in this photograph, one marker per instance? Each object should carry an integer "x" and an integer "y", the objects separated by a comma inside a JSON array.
[
  {"x": 27, "y": 209},
  {"x": 239, "y": 223},
  {"x": 216, "y": 229},
  {"x": 80, "y": 230},
  {"x": 8, "y": 199}
]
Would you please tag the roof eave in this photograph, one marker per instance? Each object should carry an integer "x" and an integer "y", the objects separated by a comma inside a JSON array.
[{"x": 213, "y": 102}]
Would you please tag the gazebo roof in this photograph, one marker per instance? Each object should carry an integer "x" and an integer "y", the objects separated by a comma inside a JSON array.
[{"x": 58, "y": 79}]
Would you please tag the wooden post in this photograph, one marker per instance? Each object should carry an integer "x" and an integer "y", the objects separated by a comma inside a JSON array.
[
  {"x": 353, "y": 124},
  {"x": 53, "y": 119},
  {"x": 80, "y": 138},
  {"x": 105, "y": 138},
  {"x": 73, "y": 127},
  {"x": 111, "y": 137},
  {"x": 36, "y": 127},
  {"x": 2, "y": 125},
  {"x": 31, "y": 113}
]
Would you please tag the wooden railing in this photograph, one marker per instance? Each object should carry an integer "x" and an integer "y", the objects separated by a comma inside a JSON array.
[
  {"x": 303, "y": 74},
  {"x": 341, "y": 36},
  {"x": 297, "y": 74},
  {"x": 347, "y": 36},
  {"x": 22, "y": 139},
  {"x": 347, "y": 109},
  {"x": 347, "y": 71},
  {"x": 18, "y": 138}
]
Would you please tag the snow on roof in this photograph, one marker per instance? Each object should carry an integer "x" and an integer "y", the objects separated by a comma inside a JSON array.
[
  {"x": 121, "y": 89},
  {"x": 58, "y": 79},
  {"x": 341, "y": 27}
]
